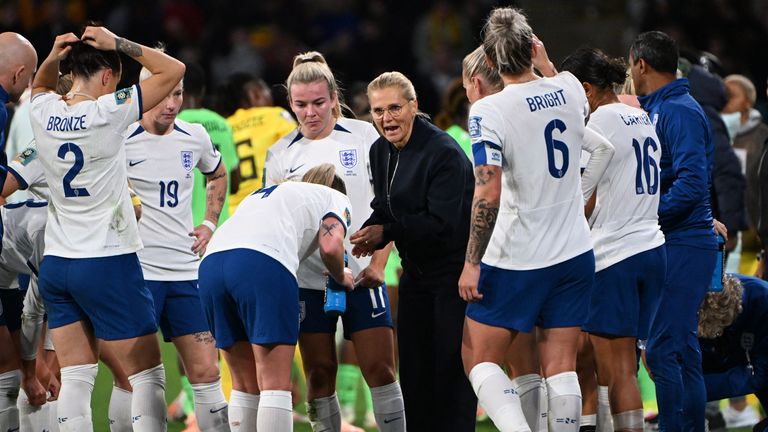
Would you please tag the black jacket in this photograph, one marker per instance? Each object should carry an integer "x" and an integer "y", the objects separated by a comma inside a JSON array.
[{"x": 426, "y": 209}]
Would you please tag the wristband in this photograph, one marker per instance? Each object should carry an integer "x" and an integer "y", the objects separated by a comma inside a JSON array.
[{"x": 209, "y": 224}]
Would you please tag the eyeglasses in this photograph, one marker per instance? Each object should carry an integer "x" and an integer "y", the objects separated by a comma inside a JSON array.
[{"x": 394, "y": 110}]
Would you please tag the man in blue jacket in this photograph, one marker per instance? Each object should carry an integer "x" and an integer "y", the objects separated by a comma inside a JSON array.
[{"x": 685, "y": 217}]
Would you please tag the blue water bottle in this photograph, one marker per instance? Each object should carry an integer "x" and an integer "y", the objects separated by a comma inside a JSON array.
[
  {"x": 335, "y": 295},
  {"x": 718, "y": 275}
]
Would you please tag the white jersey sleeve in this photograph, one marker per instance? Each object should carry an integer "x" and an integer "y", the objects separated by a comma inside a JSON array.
[
  {"x": 31, "y": 321},
  {"x": 210, "y": 158},
  {"x": 484, "y": 123},
  {"x": 601, "y": 152},
  {"x": 29, "y": 174}
]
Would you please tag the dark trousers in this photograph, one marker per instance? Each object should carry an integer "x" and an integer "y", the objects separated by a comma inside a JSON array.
[{"x": 430, "y": 321}]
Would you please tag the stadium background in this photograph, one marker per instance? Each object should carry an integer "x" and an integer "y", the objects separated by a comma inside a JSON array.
[{"x": 424, "y": 39}]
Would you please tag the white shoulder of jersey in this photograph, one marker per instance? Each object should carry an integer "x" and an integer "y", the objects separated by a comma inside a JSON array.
[{"x": 193, "y": 129}]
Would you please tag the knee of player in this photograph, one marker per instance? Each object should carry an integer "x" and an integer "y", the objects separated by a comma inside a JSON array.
[
  {"x": 378, "y": 374},
  {"x": 202, "y": 372},
  {"x": 321, "y": 375}
]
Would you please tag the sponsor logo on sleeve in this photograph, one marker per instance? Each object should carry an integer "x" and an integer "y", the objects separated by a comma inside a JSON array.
[
  {"x": 347, "y": 216},
  {"x": 27, "y": 155}
]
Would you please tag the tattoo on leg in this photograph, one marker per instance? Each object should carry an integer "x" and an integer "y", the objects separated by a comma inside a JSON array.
[
  {"x": 127, "y": 47},
  {"x": 483, "y": 220},
  {"x": 204, "y": 337},
  {"x": 328, "y": 229}
]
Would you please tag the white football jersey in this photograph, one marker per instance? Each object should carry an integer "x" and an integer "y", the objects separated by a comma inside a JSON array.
[
  {"x": 83, "y": 157},
  {"x": 281, "y": 221},
  {"x": 28, "y": 170},
  {"x": 625, "y": 221},
  {"x": 534, "y": 132},
  {"x": 23, "y": 240},
  {"x": 160, "y": 170},
  {"x": 348, "y": 148}
]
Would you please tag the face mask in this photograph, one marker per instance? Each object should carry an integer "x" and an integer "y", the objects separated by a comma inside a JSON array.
[{"x": 732, "y": 123}]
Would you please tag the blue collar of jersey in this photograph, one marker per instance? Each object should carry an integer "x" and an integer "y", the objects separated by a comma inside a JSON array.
[
  {"x": 336, "y": 127},
  {"x": 4, "y": 96},
  {"x": 677, "y": 87}
]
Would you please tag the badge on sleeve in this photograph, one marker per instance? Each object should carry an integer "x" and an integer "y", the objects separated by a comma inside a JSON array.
[
  {"x": 474, "y": 127},
  {"x": 347, "y": 216},
  {"x": 27, "y": 155},
  {"x": 123, "y": 96}
]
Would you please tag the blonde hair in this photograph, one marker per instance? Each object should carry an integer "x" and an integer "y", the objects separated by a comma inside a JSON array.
[
  {"x": 720, "y": 309},
  {"x": 746, "y": 84},
  {"x": 508, "y": 40},
  {"x": 393, "y": 79},
  {"x": 628, "y": 88},
  {"x": 309, "y": 67},
  {"x": 64, "y": 84},
  {"x": 474, "y": 64},
  {"x": 325, "y": 174}
]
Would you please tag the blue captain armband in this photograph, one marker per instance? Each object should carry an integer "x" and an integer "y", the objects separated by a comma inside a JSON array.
[{"x": 486, "y": 153}]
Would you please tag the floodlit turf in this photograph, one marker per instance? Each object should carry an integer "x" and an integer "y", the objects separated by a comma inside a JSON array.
[{"x": 103, "y": 388}]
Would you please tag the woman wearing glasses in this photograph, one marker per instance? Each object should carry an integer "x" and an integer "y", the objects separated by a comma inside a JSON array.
[
  {"x": 324, "y": 136},
  {"x": 423, "y": 184}
]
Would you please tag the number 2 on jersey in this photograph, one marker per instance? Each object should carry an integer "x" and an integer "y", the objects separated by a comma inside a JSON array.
[
  {"x": 646, "y": 165},
  {"x": 69, "y": 191},
  {"x": 552, "y": 145}
]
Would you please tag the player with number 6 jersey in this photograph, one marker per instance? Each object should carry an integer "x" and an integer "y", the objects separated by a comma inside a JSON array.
[{"x": 528, "y": 226}]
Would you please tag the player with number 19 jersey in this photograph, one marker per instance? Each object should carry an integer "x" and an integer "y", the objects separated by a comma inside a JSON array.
[
  {"x": 160, "y": 169},
  {"x": 81, "y": 149},
  {"x": 254, "y": 130},
  {"x": 534, "y": 132}
]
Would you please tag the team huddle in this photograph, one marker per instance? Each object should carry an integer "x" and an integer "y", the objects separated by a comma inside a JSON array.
[{"x": 587, "y": 220}]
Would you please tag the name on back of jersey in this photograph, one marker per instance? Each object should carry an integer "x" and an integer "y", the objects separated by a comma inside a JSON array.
[
  {"x": 547, "y": 100},
  {"x": 66, "y": 124},
  {"x": 632, "y": 120}
]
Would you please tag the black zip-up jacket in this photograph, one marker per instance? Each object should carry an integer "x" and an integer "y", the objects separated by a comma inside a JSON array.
[{"x": 425, "y": 203}]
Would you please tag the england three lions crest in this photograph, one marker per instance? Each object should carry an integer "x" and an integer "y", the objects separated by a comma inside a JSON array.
[
  {"x": 186, "y": 160},
  {"x": 348, "y": 158}
]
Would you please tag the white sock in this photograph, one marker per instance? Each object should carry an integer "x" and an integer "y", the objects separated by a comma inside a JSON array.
[
  {"x": 9, "y": 393},
  {"x": 629, "y": 420},
  {"x": 119, "y": 412},
  {"x": 528, "y": 388},
  {"x": 148, "y": 411},
  {"x": 74, "y": 410},
  {"x": 388, "y": 407},
  {"x": 496, "y": 395},
  {"x": 211, "y": 407},
  {"x": 604, "y": 420},
  {"x": 564, "y": 402},
  {"x": 543, "y": 425},
  {"x": 243, "y": 410},
  {"x": 324, "y": 414},
  {"x": 53, "y": 408},
  {"x": 275, "y": 411},
  {"x": 32, "y": 418},
  {"x": 588, "y": 420}
]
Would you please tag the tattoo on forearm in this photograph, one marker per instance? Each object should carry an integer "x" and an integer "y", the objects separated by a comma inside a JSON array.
[
  {"x": 204, "y": 338},
  {"x": 483, "y": 175},
  {"x": 216, "y": 176},
  {"x": 328, "y": 229},
  {"x": 127, "y": 47},
  {"x": 483, "y": 220}
]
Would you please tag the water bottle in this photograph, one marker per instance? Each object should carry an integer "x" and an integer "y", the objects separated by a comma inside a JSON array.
[
  {"x": 335, "y": 295},
  {"x": 717, "y": 276}
]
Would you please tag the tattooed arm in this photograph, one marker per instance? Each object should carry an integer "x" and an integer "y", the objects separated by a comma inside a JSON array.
[
  {"x": 166, "y": 70},
  {"x": 330, "y": 238},
  {"x": 485, "y": 210},
  {"x": 216, "y": 191}
]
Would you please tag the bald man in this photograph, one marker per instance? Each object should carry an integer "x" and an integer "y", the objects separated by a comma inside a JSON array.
[{"x": 18, "y": 61}]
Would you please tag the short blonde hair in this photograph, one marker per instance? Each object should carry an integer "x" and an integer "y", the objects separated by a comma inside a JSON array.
[
  {"x": 746, "y": 84},
  {"x": 720, "y": 309},
  {"x": 309, "y": 67},
  {"x": 393, "y": 79},
  {"x": 474, "y": 64},
  {"x": 325, "y": 174}
]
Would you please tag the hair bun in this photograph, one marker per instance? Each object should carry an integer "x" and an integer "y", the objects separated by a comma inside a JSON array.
[{"x": 309, "y": 57}]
